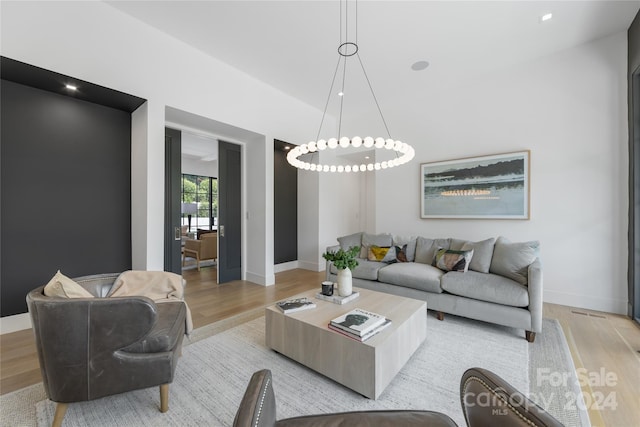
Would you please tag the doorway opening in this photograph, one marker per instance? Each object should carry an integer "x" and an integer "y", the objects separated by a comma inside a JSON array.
[{"x": 234, "y": 234}]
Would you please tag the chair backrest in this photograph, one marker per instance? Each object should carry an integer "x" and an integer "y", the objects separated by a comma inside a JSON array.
[
  {"x": 488, "y": 400},
  {"x": 258, "y": 406},
  {"x": 76, "y": 338}
]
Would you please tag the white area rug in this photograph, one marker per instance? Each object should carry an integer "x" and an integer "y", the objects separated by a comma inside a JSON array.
[{"x": 213, "y": 373}]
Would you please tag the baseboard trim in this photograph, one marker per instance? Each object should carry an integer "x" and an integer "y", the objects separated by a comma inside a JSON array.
[
  {"x": 260, "y": 280},
  {"x": 285, "y": 266},
  {"x": 312, "y": 266},
  {"x": 18, "y": 322},
  {"x": 609, "y": 305}
]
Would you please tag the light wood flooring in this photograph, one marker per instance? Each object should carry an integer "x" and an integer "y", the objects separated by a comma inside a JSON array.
[{"x": 603, "y": 345}]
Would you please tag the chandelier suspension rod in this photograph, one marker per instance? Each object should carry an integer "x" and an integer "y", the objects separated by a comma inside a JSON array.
[
  {"x": 344, "y": 77},
  {"x": 326, "y": 105},
  {"x": 374, "y": 95}
]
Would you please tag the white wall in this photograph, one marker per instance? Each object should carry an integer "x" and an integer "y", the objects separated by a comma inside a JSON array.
[
  {"x": 570, "y": 110},
  {"x": 95, "y": 42}
]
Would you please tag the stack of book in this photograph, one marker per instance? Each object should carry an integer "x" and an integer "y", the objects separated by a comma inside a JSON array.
[
  {"x": 297, "y": 304},
  {"x": 359, "y": 324}
]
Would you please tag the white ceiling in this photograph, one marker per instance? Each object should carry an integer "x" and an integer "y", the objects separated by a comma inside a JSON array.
[{"x": 292, "y": 45}]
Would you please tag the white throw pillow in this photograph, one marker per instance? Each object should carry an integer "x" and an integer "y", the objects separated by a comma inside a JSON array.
[{"x": 63, "y": 287}]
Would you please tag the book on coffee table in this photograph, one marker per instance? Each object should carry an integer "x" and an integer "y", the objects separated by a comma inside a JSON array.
[
  {"x": 364, "y": 337},
  {"x": 337, "y": 299},
  {"x": 296, "y": 304},
  {"x": 358, "y": 321}
]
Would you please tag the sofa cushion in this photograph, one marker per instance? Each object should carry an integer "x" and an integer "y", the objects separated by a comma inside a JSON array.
[
  {"x": 450, "y": 260},
  {"x": 426, "y": 249},
  {"x": 367, "y": 270},
  {"x": 383, "y": 240},
  {"x": 486, "y": 287},
  {"x": 482, "y": 254},
  {"x": 165, "y": 333},
  {"x": 408, "y": 246},
  {"x": 412, "y": 275},
  {"x": 347, "y": 242},
  {"x": 62, "y": 286},
  {"x": 512, "y": 260}
]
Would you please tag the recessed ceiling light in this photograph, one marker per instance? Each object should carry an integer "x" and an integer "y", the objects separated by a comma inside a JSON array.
[
  {"x": 420, "y": 65},
  {"x": 286, "y": 147},
  {"x": 71, "y": 87},
  {"x": 546, "y": 17}
]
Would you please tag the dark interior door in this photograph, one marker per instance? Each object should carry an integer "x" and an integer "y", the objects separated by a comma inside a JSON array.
[
  {"x": 229, "y": 213},
  {"x": 173, "y": 173}
]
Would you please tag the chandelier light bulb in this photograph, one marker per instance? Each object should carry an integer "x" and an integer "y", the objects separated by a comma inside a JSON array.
[
  {"x": 321, "y": 144},
  {"x": 344, "y": 142},
  {"x": 379, "y": 142},
  {"x": 312, "y": 147},
  {"x": 340, "y": 168},
  {"x": 332, "y": 143},
  {"x": 389, "y": 143},
  {"x": 356, "y": 141},
  {"x": 368, "y": 142},
  {"x": 347, "y": 168}
]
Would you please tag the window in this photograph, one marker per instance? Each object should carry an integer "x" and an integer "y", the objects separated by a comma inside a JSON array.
[{"x": 202, "y": 190}]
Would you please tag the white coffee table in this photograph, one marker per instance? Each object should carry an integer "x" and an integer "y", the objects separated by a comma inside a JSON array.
[{"x": 365, "y": 367}]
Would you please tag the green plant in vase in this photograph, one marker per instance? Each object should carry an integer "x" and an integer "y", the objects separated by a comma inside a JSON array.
[{"x": 345, "y": 261}]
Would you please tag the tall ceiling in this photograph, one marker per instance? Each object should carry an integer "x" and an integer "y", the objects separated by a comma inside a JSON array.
[{"x": 292, "y": 45}]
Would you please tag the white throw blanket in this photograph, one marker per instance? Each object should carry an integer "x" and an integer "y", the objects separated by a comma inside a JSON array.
[{"x": 160, "y": 286}]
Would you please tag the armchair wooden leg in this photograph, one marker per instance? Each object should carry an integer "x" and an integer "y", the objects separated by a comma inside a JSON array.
[
  {"x": 164, "y": 397},
  {"x": 198, "y": 261},
  {"x": 61, "y": 409},
  {"x": 530, "y": 336},
  {"x": 439, "y": 315}
]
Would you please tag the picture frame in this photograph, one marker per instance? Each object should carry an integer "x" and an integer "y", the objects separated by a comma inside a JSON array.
[{"x": 486, "y": 187}]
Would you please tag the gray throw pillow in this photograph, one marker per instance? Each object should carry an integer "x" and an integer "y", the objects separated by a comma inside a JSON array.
[
  {"x": 382, "y": 240},
  {"x": 426, "y": 249},
  {"x": 410, "y": 242},
  {"x": 482, "y": 254},
  {"x": 512, "y": 260},
  {"x": 347, "y": 242}
]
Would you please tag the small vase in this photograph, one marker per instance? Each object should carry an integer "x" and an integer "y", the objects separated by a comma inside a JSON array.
[{"x": 344, "y": 282}]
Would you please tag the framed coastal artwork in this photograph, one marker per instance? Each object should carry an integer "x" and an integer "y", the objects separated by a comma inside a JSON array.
[{"x": 487, "y": 187}]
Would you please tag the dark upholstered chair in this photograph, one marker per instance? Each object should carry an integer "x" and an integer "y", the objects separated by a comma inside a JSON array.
[
  {"x": 94, "y": 347},
  {"x": 503, "y": 406},
  {"x": 488, "y": 400},
  {"x": 258, "y": 409}
]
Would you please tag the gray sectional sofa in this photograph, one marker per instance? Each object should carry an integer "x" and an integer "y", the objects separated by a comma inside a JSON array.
[{"x": 498, "y": 281}]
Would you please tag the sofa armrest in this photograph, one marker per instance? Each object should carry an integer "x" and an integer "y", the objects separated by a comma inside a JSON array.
[{"x": 535, "y": 295}]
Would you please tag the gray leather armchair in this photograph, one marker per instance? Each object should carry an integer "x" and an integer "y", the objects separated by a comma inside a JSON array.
[
  {"x": 258, "y": 409},
  {"x": 94, "y": 347},
  {"x": 487, "y": 401}
]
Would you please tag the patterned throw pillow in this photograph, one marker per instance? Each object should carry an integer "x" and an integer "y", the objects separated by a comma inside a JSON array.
[
  {"x": 382, "y": 254},
  {"x": 450, "y": 260},
  {"x": 402, "y": 254}
]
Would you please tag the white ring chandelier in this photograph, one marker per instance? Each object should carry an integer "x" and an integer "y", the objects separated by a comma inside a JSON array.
[
  {"x": 406, "y": 151},
  {"x": 403, "y": 151}
]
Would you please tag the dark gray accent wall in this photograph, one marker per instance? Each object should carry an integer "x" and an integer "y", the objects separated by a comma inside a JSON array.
[
  {"x": 285, "y": 195},
  {"x": 633, "y": 98},
  {"x": 66, "y": 190}
]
